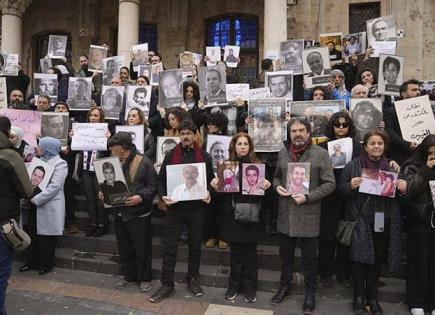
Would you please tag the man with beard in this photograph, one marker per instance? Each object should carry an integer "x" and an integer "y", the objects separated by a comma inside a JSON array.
[
  {"x": 83, "y": 72},
  {"x": 315, "y": 62},
  {"x": 299, "y": 213},
  {"x": 16, "y": 99},
  {"x": 81, "y": 98},
  {"x": 297, "y": 181}
]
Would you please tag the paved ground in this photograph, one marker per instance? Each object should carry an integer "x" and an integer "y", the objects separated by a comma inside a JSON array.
[{"x": 67, "y": 291}]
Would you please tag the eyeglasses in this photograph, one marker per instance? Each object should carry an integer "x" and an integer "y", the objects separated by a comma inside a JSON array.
[{"x": 341, "y": 125}]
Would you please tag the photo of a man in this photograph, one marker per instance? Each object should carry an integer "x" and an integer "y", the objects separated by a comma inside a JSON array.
[
  {"x": 171, "y": 88},
  {"x": 381, "y": 29},
  {"x": 252, "y": 179},
  {"x": 96, "y": 56},
  {"x": 280, "y": 84},
  {"x": 56, "y": 46},
  {"x": 79, "y": 93},
  {"x": 298, "y": 178},
  {"x": 317, "y": 66},
  {"x": 291, "y": 55},
  {"x": 191, "y": 188},
  {"x": 315, "y": 62},
  {"x": 212, "y": 85},
  {"x": 338, "y": 159},
  {"x": 115, "y": 191},
  {"x": 37, "y": 176},
  {"x": 55, "y": 125},
  {"x": 110, "y": 70},
  {"x": 112, "y": 101},
  {"x": 164, "y": 146}
]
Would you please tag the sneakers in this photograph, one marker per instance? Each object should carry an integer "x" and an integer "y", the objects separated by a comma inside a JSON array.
[
  {"x": 419, "y": 311},
  {"x": 145, "y": 286},
  {"x": 163, "y": 292},
  {"x": 250, "y": 298},
  {"x": 210, "y": 243},
  {"x": 231, "y": 294},
  {"x": 309, "y": 303},
  {"x": 282, "y": 293},
  {"x": 194, "y": 287},
  {"x": 223, "y": 245}
]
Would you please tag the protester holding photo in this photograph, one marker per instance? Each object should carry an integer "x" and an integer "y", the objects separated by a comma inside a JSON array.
[
  {"x": 47, "y": 210},
  {"x": 368, "y": 78},
  {"x": 242, "y": 236},
  {"x": 124, "y": 74},
  {"x": 420, "y": 279},
  {"x": 339, "y": 91},
  {"x": 369, "y": 249},
  {"x": 136, "y": 117},
  {"x": 333, "y": 257}
]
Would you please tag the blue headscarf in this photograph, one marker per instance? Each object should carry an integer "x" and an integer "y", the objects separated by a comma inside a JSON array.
[{"x": 50, "y": 147}]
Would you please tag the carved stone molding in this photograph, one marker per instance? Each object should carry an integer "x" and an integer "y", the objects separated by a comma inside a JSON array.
[
  {"x": 14, "y": 7},
  {"x": 133, "y": 1}
]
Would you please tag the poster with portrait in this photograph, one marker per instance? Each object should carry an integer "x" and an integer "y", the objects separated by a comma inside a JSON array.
[
  {"x": 354, "y": 43},
  {"x": 298, "y": 178},
  {"x": 57, "y": 46},
  {"x": 366, "y": 114},
  {"x": 3, "y": 93},
  {"x": 416, "y": 118},
  {"x": 186, "y": 181},
  {"x": 144, "y": 70},
  {"x": 332, "y": 41},
  {"x": 378, "y": 182},
  {"x": 381, "y": 35},
  {"x": 197, "y": 58},
  {"x": 390, "y": 76},
  {"x": 231, "y": 55},
  {"x": 308, "y": 43},
  {"x": 9, "y": 64},
  {"x": 318, "y": 113},
  {"x": 432, "y": 190},
  {"x": 111, "y": 101},
  {"x": 40, "y": 173},
  {"x": 253, "y": 176},
  {"x": 268, "y": 128},
  {"x": 218, "y": 148},
  {"x": 155, "y": 73},
  {"x": 317, "y": 67},
  {"x": 28, "y": 120},
  {"x": 138, "y": 97},
  {"x": 280, "y": 83},
  {"x": 171, "y": 88},
  {"x": 89, "y": 136},
  {"x": 79, "y": 93},
  {"x": 290, "y": 54},
  {"x": 228, "y": 174},
  {"x": 212, "y": 84},
  {"x": 137, "y": 135},
  {"x": 237, "y": 91},
  {"x": 186, "y": 63},
  {"x": 45, "y": 64},
  {"x": 213, "y": 55},
  {"x": 46, "y": 84},
  {"x": 55, "y": 125},
  {"x": 164, "y": 146},
  {"x": 96, "y": 56},
  {"x": 340, "y": 152},
  {"x": 111, "y": 181},
  {"x": 139, "y": 55},
  {"x": 111, "y": 68}
]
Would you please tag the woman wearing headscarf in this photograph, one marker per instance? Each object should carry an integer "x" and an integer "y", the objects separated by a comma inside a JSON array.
[
  {"x": 339, "y": 91},
  {"x": 16, "y": 138},
  {"x": 47, "y": 211}
]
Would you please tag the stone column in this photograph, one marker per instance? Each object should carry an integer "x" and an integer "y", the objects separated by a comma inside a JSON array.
[
  {"x": 128, "y": 27},
  {"x": 12, "y": 13},
  {"x": 275, "y": 24}
]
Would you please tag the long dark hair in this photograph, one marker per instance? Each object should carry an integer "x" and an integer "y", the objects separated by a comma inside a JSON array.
[
  {"x": 422, "y": 149},
  {"x": 329, "y": 129},
  {"x": 195, "y": 88},
  {"x": 232, "y": 149},
  {"x": 179, "y": 113},
  {"x": 375, "y": 79}
]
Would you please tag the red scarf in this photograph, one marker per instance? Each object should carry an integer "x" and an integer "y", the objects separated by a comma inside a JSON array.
[
  {"x": 177, "y": 155},
  {"x": 295, "y": 152}
]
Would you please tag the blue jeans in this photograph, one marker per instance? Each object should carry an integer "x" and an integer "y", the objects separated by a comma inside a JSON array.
[{"x": 6, "y": 257}]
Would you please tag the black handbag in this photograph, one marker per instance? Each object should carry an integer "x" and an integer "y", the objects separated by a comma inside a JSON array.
[{"x": 246, "y": 213}]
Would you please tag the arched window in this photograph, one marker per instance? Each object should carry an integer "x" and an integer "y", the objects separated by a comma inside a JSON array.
[{"x": 238, "y": 30}]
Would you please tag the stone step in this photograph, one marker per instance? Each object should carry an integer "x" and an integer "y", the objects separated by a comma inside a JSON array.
[{"x": 217, "y": 275}]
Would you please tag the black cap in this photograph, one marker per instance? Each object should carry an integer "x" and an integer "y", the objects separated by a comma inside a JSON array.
[
  {"x": 121, "y": 138},
  {"x": 188, "y": 124},
  {"x": 5, "y": 125}
]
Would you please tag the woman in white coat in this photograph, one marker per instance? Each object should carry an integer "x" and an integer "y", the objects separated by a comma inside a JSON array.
[{"x": 47, "y": 212}]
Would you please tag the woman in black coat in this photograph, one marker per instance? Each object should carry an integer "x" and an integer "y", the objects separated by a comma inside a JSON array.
[
  {"x": 420, "y": 278},
  {"x": 333, "y": 257},
  {"x": 243, "y": 237}
]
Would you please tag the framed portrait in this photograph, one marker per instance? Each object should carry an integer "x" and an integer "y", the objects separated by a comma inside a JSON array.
[
  {"x": 218, "y": 148},
  {"x": 171, "y": 88},
  {"x": 137, "y": 135},
  {"x": 57, "y": 46},
  {"x": 144, "y": 70},
  {"x": 55, "y": 125},
  {"x": 164, "y": 146},
  {"x": 317, "y": 66},
  {"x": 186, "y": 181},
  {"x": 231, "y": 54},
  {"x": 140, "y": 56},
  {"x": 111, "y": 101},
  {"x": 381, "y": 35},
  {"x": 96, "y": 56},
  {"x": 111, "y": 68},
  {"x": 111, "y": 181},
  {"x": 40, "y": 173},
  {"x": 213, "y": 54},
  {"x": 332, "y": 41},
  {"x": 340, "y": 152},
  {"x": 253, "y": 176},
  {"x": 290, "y": 54},
  {"x": 378, "y": 182},
  {"x": 138, "y": 97},
  {"x": 390, "y": 76},
  {"x": 45, "y": 64},
  {"x": 228, "y": 174},
  {"x": 79, "y": 93},
  {"x": 46, "y": 84},
  {"x": 212, "y": 85},
  {"x": 280, "y": 83},
  {"x": 186, "y": 61},
  {"x": 366, "y": 114},
  {"x": 298, "y": 178}
]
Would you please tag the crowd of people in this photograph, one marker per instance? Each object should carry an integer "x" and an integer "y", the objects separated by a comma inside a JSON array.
[{"x": 308, "y": 216}]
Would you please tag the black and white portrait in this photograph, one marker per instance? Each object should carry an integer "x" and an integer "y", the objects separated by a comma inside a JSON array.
[
  {"x": 55, "y": 125},
  {"x": 137, "y": 135},
  {"x": 186, "y": 181},
  {"x": 186, "y": 61},
  {"x": 79, "y": 93},
  {"x": 56, "y": 46},
  {"x": 111, "y": 181},
  {"x": 164, "y": 146},
  {"x": 217, "y": 147},
  {"x": 308, "y": 43},
  {"x": 155, "y": 73},
  {"x": 138, "y": 97},
  {"x": 381, "y": 29},
  {"x": 366, "y": 114},
  {"x": 46, "y": 84},
  {"x": 2, "y": 62},
  {"x": 231, "y": 55},
  {"x": 45, "y": 64},
  {"x": 96, "y": 56},
  {"x": 280, "y": 84},
  {"x": 111, "y": 101},
  {"x": 171, "y": 88},
  {"x": 144, "y": 70},
  {"x": 317, "y": 67},
  {"x": 111, "y": 67},
  {"x": 267, "y": 128},
  {"x": 390, "y": 76},
  {"x": 212, "y": 82},
  {"x": 213, "y": 54},
  {"x": 140, "y": 55},
  {"x": 290, "y": 54}
]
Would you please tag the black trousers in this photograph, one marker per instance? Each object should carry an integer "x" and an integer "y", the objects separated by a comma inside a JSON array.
[
  {"x": 97, "y": 213},
  {"x": 134, "y": 239},
  {"x": 309, "y": 246},
  {"x": 420, "y": 278},
  {"x": 334, "y": 259},
  {"x": 70, "y": 188},
  {"x": 41, "y": 252},
  {"x": 173, "y": 224},
  {"x": 269, "y": 203},
  {"x": 212, "y": 220},
  {"x": 243, "y": 262}
]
